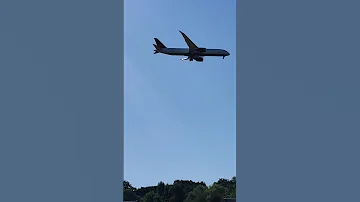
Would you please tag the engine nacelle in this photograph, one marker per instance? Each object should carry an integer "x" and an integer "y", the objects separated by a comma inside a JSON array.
[
  {"x": 199, "y": 59},
  {"x": 202, "y": 50}
]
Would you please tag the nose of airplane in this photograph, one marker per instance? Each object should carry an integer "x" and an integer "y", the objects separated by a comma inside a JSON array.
[{"x": 227, "y": 53}]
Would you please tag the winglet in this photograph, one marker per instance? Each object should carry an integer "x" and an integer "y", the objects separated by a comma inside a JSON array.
[{"x": 182, "y": 33}]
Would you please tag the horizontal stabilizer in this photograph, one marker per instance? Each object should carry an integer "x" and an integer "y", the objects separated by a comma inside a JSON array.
[{"x": 156, "y": 49}]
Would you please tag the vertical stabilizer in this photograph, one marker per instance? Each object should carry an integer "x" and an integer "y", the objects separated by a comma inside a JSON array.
[{"x": 159, "y": 45}]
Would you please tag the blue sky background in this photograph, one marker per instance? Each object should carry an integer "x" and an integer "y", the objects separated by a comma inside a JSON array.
[{"x": 179, "y": 115}]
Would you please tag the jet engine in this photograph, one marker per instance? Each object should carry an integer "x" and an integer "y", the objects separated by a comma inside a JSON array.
[{"x": 199, "y": 59}]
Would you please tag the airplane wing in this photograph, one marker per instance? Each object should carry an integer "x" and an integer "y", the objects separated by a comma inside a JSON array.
[{"x": 188, "y": 41}]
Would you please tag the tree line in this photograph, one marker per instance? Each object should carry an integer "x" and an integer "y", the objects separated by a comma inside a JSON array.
[{"x": 182, "y": 191}]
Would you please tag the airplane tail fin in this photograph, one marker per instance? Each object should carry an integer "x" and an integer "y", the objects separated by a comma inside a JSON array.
[{"x": 159, "y": 44}]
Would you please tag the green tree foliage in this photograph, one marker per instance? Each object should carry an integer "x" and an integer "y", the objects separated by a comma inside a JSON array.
[
  {"x": 216, "y": 193},
  {"x": 182, "y": 190},
  {"x": 127, "y": 185},
  {"x": 161, "y": 189},
  {"x": 229, "y": 187},
  {"x": 129, "y": 192},
  {"x": 198, "y": 194},
  {"x": 151, "y": 197}
]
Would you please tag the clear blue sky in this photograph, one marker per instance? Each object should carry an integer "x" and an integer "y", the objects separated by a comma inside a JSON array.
[{"x": 179, "y": 115}]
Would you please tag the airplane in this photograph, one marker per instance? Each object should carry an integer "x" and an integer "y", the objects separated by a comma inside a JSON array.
[{"x": 192, "y": 53}]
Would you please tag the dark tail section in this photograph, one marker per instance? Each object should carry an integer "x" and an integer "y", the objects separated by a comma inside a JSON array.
[
  {"x": 156, "y": 49},
  {"x": 159, "y": 44}
]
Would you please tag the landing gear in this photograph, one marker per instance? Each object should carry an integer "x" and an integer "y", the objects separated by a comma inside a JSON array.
[
  {"x": 223, "y": 57},
  {"x": 188, "y": 58}
]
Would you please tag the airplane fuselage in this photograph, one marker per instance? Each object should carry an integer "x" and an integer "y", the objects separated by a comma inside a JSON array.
[
  {"x": 186, "y": 52},
  {"x": 193, "y": 52}
]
